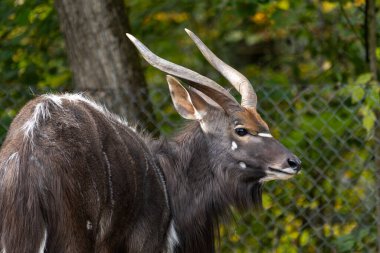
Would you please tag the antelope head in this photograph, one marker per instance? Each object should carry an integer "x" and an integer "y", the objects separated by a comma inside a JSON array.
[{"x": 240, "y": 139}]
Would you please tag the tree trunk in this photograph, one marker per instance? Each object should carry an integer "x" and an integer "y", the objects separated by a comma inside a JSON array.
[
  {"x": 370, "y": 36},
  {"x": 377, "y": 167},
  {"x": 103, "y": 61}
]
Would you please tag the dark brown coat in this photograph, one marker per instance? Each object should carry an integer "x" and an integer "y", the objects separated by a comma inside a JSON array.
[{"x": 76, "y": 178}]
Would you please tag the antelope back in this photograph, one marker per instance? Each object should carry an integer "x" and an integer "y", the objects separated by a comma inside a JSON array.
[{"x": 75, "y": 178}]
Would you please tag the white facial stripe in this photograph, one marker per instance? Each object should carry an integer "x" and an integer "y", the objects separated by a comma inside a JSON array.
[
  {"x": 234, "y": 146},
  {"x": 242, "y": 165},
  {"x": 265, "y": 135}
]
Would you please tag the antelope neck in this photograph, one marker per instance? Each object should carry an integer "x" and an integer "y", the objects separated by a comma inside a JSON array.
[{"x": 184, "y": 161}]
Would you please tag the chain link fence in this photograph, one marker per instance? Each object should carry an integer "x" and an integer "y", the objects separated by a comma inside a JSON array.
[{"x": 331, "y": 207}]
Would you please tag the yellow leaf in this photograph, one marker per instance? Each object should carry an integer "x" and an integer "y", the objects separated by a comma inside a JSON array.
[
  {"x": 336, "y": 230},
  {"x": 314, "y": 204},
  {"x": 349, "y": 227},
  {"x": 222, "y": 230},
  {"x": 327, "y": 229},
  {"x": 234, "y": 238},
  {"x": 338, "y": 204},
  {"x": 19, "y": 2},
  {"x": 267, "y": 201},
  {"x": 259, "y": 18},
  {"x": 328, "y": 6},
  {"x": 305, "y": 238},
  {"x": 180, "y": 17},
  {"x": 161, "y": 16},
  {"x": 326, "y": 65},
  {"x": 283, "y": 5},
  {"x": 177, "y": 17},
  {"x": 358, "y": 3}
]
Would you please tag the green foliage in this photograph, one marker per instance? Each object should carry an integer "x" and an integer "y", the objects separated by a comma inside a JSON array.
[
  {"x": 32, "y": 50},
  {"x": 366, "y": 92},
  {"x": 271, "y": 41}
]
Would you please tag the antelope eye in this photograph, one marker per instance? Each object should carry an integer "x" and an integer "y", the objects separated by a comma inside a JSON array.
[{"x": 241, "y": 131}]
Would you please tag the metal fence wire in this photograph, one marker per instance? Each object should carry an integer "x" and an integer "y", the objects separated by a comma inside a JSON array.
[{"x": 330, "y": 207}]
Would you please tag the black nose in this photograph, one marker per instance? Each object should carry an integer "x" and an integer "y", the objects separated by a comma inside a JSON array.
[{"x": 294, "y": 163}]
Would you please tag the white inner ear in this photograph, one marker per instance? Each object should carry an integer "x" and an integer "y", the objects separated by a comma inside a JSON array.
[
  {"x": 199, "y": 115},
  {"x": 182, "y": 101}
]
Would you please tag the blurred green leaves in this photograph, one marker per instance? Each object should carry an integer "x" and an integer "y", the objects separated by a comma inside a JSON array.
[
  {"x": 32, "y": 50},
  {"x": 365, "y": 91}
]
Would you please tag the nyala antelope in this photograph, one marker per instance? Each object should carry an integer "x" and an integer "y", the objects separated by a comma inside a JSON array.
[{"x": 77, "y": 178}]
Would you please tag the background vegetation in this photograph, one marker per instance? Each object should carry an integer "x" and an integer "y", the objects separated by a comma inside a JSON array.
[{"x": 308, "y": 60}]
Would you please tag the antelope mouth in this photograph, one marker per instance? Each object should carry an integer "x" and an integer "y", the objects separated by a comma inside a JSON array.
[
  {"x": 279, "y": 174},
  {"x": 286, "y": 171}
]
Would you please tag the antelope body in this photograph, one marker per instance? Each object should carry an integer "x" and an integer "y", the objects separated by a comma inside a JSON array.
[{"x": 76, "y": 178}]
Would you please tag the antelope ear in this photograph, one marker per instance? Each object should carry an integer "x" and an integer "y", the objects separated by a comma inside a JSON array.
[{"x": 187, "y": 103}]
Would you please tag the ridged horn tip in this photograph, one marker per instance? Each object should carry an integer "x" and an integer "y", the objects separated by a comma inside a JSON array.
[
  {"x": 238, "y": 80},
  {"x": 130, "y": 37}
]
